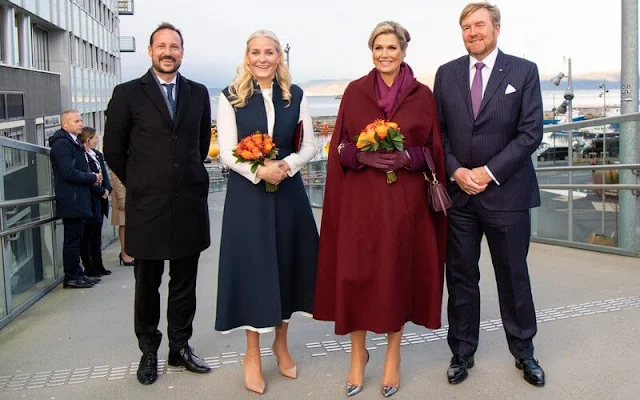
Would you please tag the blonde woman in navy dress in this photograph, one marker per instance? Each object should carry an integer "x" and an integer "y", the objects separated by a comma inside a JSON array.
[{"x": 269, "y": 243}]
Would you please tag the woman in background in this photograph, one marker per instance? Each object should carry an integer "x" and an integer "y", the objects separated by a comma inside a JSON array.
[
  {"x": 91, "y": 246},
  {"x": 117, "y": 216}
]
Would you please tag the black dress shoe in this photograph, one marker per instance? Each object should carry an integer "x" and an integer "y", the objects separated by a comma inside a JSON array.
[
  {"x": 186, "y": 358},
  {"x": 457, "y": 371},
  {"x": 77, "y": 284},
  {"x": 91, "y": 279},
  {"x": 92, "y": 273},
  {"x": 102, "y": 270},
  {"x": 148, "y": 368},
  {"x": 533, "y": 372}
]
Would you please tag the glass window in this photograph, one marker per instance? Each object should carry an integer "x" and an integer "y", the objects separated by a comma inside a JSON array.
[
  {"x": 15, "y": 105},
  {"x": 41, "y": 48},
  {"x": 3, "y": 110}
]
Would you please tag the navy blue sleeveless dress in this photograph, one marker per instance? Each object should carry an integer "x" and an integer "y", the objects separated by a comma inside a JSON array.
[{"x": 269, "y": 244}]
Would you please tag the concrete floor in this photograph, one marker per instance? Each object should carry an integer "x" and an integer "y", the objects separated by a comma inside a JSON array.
[{"x": 79, "y": 344}]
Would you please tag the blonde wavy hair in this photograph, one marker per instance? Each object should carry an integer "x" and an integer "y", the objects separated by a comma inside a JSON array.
[{"x": 243, "y": 84}]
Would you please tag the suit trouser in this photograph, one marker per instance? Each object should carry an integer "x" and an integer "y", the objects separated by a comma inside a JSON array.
[
  {"x": 73, "y": 229},
  {"x": 91, "y": 248},
  {"x": 508, "y": 234},
  {"x": 181, "y": 305}
]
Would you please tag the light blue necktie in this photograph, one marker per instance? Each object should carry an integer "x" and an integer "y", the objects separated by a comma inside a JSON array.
[{"x": 172, "y": 102}]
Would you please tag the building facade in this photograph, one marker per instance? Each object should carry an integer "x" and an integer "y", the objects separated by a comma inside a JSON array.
[
  {"x": 54, "y": 55},
  {"x": 77, "y": 40}
]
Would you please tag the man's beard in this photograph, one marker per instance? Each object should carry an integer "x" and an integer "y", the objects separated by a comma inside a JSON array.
[{"x": 158, "y": 66}]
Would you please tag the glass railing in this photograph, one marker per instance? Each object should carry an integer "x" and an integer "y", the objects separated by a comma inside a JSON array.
[
  {"x": 217, "y": 177},
  {"x": 585, "y": 213},
  {"x": 27, "y": 227},
  {"x": 588, "y": 199}
]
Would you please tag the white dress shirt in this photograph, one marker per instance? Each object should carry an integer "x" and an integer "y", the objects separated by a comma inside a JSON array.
[
  {"x": 228, "y": 136},
  {"x": 75, "y": 139},
  {"x": 489, "y": 62},
  {"x": 94, "y": 157}
]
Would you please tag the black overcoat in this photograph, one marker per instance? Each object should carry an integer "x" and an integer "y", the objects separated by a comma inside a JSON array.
[{"x": 160, "y": 162}]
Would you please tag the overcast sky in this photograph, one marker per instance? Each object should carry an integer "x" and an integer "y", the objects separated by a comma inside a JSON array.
[{"x": 328, "y": 38}]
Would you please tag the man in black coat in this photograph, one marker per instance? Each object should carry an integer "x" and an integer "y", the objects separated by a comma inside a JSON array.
[
  {"x": 72, "y": 180},
  {"x": 156, "y": 139}
]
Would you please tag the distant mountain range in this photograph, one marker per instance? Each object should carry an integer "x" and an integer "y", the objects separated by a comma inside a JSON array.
[{"x": 335, "y": 87}]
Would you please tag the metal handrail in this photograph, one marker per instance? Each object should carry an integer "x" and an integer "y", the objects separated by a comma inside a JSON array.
[
  {"x": 29, "y": 225},
  {"x": 20, "y": 145},
  {"x": 26, "y": 201},
  {"x": 588, "y": 167},
  {"x": 610, "y": 186},
  {"x": 593, "y": 122}
]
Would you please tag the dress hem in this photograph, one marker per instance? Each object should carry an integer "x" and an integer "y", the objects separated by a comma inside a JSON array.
[
  {"x": 377, "y": 331},
  {"x": 266, "y": 329}
]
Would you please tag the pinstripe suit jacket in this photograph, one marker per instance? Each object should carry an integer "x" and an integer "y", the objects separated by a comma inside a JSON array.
[{"x": 506, "y": 132}]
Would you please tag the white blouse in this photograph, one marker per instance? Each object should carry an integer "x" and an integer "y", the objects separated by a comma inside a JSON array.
[{"x": 228, "y": 136}]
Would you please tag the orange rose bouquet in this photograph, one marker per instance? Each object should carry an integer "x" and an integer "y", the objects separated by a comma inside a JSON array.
[
  {"x": 256, "y": 149},
  {"x": 381, "y": 135}
]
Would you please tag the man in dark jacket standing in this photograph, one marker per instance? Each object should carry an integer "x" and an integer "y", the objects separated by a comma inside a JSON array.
[
  {"x": 73, "y": 180},
  {"x": 490, "y": 112},
  {"x": 156, "y": 139}
]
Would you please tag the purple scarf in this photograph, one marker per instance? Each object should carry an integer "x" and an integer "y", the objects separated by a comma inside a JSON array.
[{"x": 388, "y": 96}]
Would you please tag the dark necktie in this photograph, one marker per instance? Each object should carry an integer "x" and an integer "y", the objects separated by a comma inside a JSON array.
[
  {"x": 476, "y": 90},
  {"x": 172, "y": 102}
]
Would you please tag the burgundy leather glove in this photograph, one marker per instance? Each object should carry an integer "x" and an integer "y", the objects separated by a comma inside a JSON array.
[
  {"x": 382, "y": 161},
  {"x": 401, "y": 160}
]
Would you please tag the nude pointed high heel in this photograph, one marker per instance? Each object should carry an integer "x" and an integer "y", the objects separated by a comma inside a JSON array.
[
  {"x": 256, "y": 387},
  {"x": 290, "y": 372}
]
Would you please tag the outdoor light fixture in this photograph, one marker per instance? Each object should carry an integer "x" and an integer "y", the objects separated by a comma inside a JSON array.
[
  {"x": 556, "y": 79},
  {"x": 562, "y": 108}
]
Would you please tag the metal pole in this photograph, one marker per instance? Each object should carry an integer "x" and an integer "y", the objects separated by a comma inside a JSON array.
[
  {"x": 629, "y": 206},
  {"x": 604, "y": 151},
  {"x": 570, "y": 154}
]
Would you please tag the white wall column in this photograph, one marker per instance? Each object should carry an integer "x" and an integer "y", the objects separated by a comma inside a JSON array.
[
  {"x": 26, "y": 45},
  {"x": 8, "y": 25}
]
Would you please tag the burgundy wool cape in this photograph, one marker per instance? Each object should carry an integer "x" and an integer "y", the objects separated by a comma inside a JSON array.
[{"x": 382, "y": 250}]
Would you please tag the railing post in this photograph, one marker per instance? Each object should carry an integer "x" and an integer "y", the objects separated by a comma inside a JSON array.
[
  {"x": 570, "y": 154},
  {"x": 628, "y": 203}
]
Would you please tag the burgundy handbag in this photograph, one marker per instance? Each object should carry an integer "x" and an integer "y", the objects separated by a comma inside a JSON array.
[{"x": 437, "y": 197}]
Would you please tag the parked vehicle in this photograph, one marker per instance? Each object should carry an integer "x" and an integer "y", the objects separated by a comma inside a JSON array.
[
  {"x": 546, "y": 152},
  {"x": 595, "y": 146}
]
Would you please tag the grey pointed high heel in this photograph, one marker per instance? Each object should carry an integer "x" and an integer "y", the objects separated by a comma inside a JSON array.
[
  {"x": 388, "y": 391},
  {"x": 353, "y": 390}
]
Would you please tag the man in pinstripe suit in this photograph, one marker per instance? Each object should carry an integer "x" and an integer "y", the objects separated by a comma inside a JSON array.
[{"x": 490, "y": 112}]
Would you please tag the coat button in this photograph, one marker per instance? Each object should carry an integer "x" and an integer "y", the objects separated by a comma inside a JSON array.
[
  {"x": 175, "y": 194},
  {"x": 175, "y": 137},
  {"x": 176, "y": 165}
]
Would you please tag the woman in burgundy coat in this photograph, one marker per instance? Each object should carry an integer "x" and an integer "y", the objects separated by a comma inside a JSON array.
[{"x": 381, "y": 260}]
